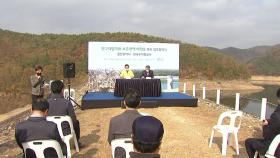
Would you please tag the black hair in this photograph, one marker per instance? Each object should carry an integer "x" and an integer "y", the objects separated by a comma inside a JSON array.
[
  {"x": 132, "y": 98},
  {"x": 57, "y": 86},
  {"x": 126, "y": 65},
  {"x": 145, "y": 147},
  {"x": 278, "y": 93},
  {"x": 148, "y": 66},
  {"x": 40, "y": 104},
  {"x": 38, "y": 67}
]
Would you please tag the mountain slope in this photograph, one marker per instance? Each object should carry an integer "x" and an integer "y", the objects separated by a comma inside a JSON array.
[
  {"x": 244, "y": 55},
  {"x": 260, "y": 60},
  {"x": 20, "y": 52},
  {"x": 268, "y": 64}
]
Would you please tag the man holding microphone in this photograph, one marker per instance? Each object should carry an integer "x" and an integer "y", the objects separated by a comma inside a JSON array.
[{"x": 37, "y": 83}]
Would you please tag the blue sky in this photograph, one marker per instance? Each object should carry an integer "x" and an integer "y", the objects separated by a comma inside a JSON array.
[{"x": 217, "y": 23}]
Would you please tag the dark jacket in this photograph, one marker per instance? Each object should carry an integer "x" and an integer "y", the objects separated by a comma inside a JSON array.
[
  {"x": 37, "y": 85},
  {"x": 272, "y": 129},
  {"x": 121, "y": 125},
  {"x": 147, "y": 74},
  {"x": 143, "y": 155},
  {"x": 59, "y": 106},
  {"x": 38, "y": 128}
]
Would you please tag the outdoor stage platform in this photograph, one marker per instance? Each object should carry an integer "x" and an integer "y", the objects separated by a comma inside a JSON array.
[{"x": 93, "y": 100}]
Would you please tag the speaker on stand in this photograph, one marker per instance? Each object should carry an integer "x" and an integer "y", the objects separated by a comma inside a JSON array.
[{"x": 69, "y": 72}]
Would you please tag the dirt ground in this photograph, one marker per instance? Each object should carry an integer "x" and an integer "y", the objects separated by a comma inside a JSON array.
[
  {"x": 187, "y": 132},
  {"x": 223, "y": 85}
]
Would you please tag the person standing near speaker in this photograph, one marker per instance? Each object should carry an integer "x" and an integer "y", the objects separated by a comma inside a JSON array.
[{"x": 37, "y": 83}]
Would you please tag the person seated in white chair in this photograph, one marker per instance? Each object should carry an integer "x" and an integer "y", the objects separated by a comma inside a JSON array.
[
  {"x": 36, "y": 127},
  {"x": 147, "y": 133},
  {"x": 59, "y": 106},
  {"x": 271, "y": 128},
  {"x": 121, "y": 125}
]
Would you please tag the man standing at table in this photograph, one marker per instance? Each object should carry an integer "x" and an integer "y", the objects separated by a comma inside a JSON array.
[
  {"x": 147, "y": 72},
  {"x": 126, "y": 73}
]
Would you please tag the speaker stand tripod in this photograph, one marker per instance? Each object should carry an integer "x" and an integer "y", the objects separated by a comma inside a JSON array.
[{"x": 69, "y": 95}]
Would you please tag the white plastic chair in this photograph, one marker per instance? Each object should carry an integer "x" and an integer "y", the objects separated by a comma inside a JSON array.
[
  {"x": 144, "y": 114},
  {"x": 272, "y": 148},
  {"x": 125, "y": 143},
  {"x": 72, "y": 94},
  {"x": 39, "y": 146},
  {"x": 66, "y": 139},
  {"x": 66, "y": 93},
  {"x": 226, "y": 130}
]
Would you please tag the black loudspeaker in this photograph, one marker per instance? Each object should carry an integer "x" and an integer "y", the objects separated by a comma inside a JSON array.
[{"x": 69, "y": 70}]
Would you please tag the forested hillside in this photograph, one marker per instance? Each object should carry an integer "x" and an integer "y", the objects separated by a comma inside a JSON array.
[
  {"x": 268, "y": 64},
  {"x": 21, "y": 51},
  {"x": 260, "y": 60}
]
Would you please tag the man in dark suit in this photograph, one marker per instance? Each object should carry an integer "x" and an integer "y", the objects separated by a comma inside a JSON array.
[
  {"x": 271, "y": 128},
  {"x": 121, "y": 125},
  {"x": 147, "y": 133},
  {"x": 147, "y": 72},
  {"x": 36, "y": 127},
  {"x": 59, "y": 106}
]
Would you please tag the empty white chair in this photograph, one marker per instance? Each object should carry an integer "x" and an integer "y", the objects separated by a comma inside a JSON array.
[
  {"x": 125, "y": 143},
  {"x": 66, "y": 139},
  {"x": 66, "y": 93},
  {"x": 272, "y": 148},
  {"x": 72, "y": 94},
  {"x": 39, "y": 146},
  {"x": 227, "y": 129}
]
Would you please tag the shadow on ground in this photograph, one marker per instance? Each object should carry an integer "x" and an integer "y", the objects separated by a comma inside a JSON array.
[
  {"x": 87, "y": 141},
  {"x": 219, "y": 141},
  {"x": 9, "y": 147}
]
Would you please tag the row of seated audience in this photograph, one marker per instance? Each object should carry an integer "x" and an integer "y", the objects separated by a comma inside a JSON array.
[
  {"x": 146, "y": 131},
  {"x": 36, "y": 127}
]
